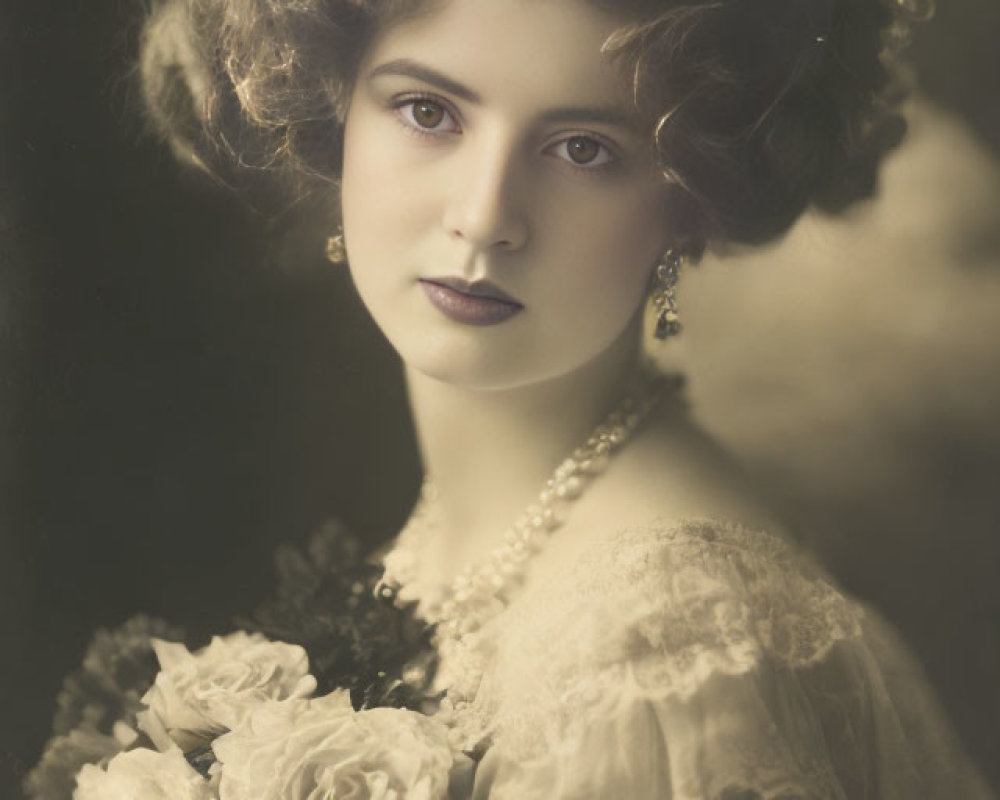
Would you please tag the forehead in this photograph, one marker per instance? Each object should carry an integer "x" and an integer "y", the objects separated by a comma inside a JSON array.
[{"x": 534, "y": 50}]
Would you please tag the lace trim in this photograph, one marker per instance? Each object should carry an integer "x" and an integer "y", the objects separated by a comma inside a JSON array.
[{"x": 700, "y": 588}]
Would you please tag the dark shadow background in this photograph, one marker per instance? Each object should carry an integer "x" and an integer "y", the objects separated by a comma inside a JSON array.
[{"x": 185, "y": 384}]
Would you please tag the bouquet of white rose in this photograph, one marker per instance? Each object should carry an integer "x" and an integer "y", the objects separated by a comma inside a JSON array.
[
  {"x": 242, "y": 719},
  {"x": 250, "y": 703}
]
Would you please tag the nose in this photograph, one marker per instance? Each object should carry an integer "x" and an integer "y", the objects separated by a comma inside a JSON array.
[{"x": 484, "y": 209}]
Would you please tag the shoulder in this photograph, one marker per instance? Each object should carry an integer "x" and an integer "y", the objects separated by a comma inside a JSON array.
[{"x": 658, "y": 551}]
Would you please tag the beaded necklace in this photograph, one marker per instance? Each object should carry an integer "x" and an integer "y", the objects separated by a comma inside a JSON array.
[{"x": 484, "y": 588}]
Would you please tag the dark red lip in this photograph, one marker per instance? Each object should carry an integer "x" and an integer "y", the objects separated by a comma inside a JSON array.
[
  {"x": 468, "y": 309},
  {"x": 475, "y": 288}
]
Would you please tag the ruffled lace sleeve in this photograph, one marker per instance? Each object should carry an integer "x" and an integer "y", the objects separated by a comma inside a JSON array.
[{"x": 705, "y": 661}]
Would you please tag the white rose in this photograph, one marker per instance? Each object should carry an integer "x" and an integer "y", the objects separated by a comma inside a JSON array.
[
  {"x": 143, "y": 775},
  {"x": 199, "y": 695},
  {"x": 322, "y": 748}
]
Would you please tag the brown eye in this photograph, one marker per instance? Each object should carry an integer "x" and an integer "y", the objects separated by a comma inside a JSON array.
[
  {"x": 582, "y": 150},
  {"x": 427, "y": 113},
  {"x": 586, "y": 153}
]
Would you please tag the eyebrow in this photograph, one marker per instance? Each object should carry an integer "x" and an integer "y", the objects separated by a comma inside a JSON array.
[
  {"x": 411, "y": 69},
  {"x": 605, "y": 114},
  {"x": 608, "y": 115}
]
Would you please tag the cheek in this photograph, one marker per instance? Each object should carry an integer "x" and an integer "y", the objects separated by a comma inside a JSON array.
[
  {"x": 382, "y": 223},
  {"x": 609, "y": 247},
  {"x": 378, "y": 205}
]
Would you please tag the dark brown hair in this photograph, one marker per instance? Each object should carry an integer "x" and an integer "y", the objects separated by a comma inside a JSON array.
[{"x": 758, "y": 108}]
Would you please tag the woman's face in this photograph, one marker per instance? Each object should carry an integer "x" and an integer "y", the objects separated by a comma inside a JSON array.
[{"x": 489, "y": 140}]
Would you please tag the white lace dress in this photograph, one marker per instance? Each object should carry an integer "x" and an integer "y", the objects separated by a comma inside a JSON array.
[{"x": 696, "y": 660}]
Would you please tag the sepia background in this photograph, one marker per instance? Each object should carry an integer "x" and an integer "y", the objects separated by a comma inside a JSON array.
[{"x": 185, "y": 383}]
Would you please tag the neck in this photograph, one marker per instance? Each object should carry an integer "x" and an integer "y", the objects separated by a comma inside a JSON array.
[{"x": 491, "y": 452}]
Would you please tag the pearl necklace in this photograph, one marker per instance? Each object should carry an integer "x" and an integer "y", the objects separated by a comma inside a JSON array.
[{"x": 483, "y": 589}]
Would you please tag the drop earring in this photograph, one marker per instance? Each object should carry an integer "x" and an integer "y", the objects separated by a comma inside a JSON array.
[
  {"x": 335, "y": 250},
  {"x": 668, "y": 322}
]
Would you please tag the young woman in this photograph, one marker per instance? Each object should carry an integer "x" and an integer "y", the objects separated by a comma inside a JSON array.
[{"x": 516, "y": 183}]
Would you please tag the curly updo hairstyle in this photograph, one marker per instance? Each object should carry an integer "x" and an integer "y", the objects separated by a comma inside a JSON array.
[{"x": 757, "y": 108}]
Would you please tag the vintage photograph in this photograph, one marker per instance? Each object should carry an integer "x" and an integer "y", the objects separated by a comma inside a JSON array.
[{"x": 500, "y": 400}]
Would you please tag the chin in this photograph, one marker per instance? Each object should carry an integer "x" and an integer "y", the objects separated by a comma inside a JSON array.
[
  {"x": 484, "y": 372},
  {"x": 483, "y": 368}
]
